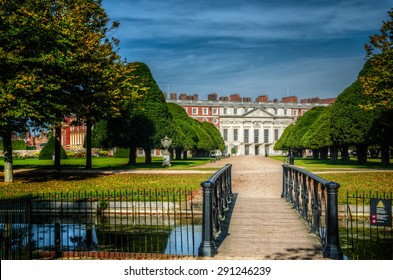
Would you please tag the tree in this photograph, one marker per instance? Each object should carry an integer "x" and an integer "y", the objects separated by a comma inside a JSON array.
[
  {"x": 300, "y": 128},
  {"x": 318, "y": 137},
  {"x": 153, "y": 108},
  {"x": 183, "y": 136},
  {"x": 281, "y": 143},
  {"x": 46, "y": 51},
  {"x": 351, "y": 125},
  {"x": 378, "y": 82}
]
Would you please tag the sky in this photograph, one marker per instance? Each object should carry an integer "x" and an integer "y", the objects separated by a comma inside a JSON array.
[{"x": 307, "y": 48}]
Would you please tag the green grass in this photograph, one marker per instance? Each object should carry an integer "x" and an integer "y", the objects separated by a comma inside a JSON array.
[
  {"x": 361, "y": 181},
  {"x": 36, "y": 183},
  {"x": 38, "y": 177},
  {"x": 313, "y": 165},
  {"x": 108, "y": 163}
]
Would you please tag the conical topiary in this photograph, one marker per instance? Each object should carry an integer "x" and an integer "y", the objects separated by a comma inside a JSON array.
[{"x": 48, "y": 150}]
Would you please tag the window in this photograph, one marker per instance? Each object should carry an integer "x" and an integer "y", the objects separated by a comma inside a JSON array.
[
  {"x": 275, "y": 111},
  {"x": 285, "y": 112},
  {"x": 235, "y": 134},
  {"x": 215, "y": 111},
  {"x": 235, "y": 111},
  {"x": 266, "y": 135},
  {"x": 256, "y": 135},
  {"x": 225, "y": 111},
  {"x": 294, "y": 112},
  {"x": 225, "y": 131},
  {"x": 276, "y": 134},
  {"x": 215, "y": 121},
  {"x": 195, "y": 111},
  {"x": 204, "y": 111},
  {"x": 246, "y": 136}
]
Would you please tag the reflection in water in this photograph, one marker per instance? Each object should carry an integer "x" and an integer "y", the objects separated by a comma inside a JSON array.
[
  {"x": 184, "y": 240},
  {"x": 63, "y": 237}
]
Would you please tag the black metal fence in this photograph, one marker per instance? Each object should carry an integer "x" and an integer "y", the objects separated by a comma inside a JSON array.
[
  {"x": 217, "y": 195},
  {"x": 316, "y": 201},
  {"x": 138, "y": 224},
  {"x": 366, "y": 226}
]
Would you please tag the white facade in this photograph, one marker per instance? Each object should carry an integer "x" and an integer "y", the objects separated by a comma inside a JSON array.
[
  {"x": 252, "y": 128},
  {"x": 254, "y": 132}
]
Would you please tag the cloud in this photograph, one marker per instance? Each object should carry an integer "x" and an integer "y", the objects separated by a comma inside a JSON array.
[{"x": 313, "y": 47}]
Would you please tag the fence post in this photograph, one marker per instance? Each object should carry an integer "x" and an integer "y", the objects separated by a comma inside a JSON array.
[
  {"x": 284, "y": 180},
  {"x": 332, "y": 247},
  {"x": 207, "y": 247}
]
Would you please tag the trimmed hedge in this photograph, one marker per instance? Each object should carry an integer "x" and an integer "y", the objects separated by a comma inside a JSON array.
[
  {"x": 48, "y": 150},
  {"x": 122, "y": 153},
  {"x": 16, "y": 145}
]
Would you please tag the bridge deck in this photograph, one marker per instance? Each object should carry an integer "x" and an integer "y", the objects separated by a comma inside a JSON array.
[{"x": 262, "y": 225}]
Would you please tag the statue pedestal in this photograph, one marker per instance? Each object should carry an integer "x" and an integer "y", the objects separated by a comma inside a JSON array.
[{"x": 166, "y": 159}]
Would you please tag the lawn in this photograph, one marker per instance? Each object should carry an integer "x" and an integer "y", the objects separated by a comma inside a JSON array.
[
  {"x": 351, "y": 176},
  {"x": 33, "y": 182},
  {"x": 313, "y": 165},
  {"x": 37, "y": 176},
  {"x": 107, "y": 163}
]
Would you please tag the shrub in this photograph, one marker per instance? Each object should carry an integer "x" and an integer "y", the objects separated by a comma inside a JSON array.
[
  {"x": 48, "y": 150},
  {"x": 16, "y": 145},
  {"x": 122, "y": 153}
]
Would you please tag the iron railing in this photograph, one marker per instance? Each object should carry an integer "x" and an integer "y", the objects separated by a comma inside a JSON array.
[
  {"x": 362, "y": 238},
  {"x": 316, "y": 201},
  {"x": 132, "y": 224},
  {"x": 217, "y": 195}
]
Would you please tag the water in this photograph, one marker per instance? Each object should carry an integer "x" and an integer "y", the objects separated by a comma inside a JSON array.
[{"x": 180, "y": 240}]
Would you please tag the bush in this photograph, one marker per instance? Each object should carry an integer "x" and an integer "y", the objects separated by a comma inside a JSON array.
[
  {"x": 48, "y": 150},
  {"x": 122, "y": 153},
  {"x": 16, "y": 145}
]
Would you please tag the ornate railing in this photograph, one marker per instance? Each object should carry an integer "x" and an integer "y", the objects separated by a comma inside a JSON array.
[
  {"x": 217, "y": 195},
  {"x": 316, "y": 201}
]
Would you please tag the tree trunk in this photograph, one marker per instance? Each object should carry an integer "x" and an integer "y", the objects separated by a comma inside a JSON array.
[
  {"x": 333, "y": 153},
  {"x": 57, "y": 149},
  {"x": 132, "y": 157},
  {"x": 362, "y": 153},
  {"x": 8, "y": 167},
  {"x": 147, "y": 155},
  {"x": 324, "y": 152},
  {"x": 385, "y": 154},
  {"x": 344, "y": 154},
  {"x": 178, "y": 154},
  {"x": 185, "y": 156},
  {"x": 315, "y": 153},
  {"x": 88, "y": 144}
]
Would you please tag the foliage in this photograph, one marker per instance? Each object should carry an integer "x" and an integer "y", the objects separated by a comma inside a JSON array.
[
  {"x": 52, "y": 54},
  {"x": 48, "y": 150},
  {"x": 215, "y": 135},
  {"x": 122, "y": 153},
  {"x": 16, "y": 145},
  {"x": 281, "y": 143},
  {"x": 350, "y": 123},
  {"x": 319, "y": 134},
  {"x": 378, "y": 82}
]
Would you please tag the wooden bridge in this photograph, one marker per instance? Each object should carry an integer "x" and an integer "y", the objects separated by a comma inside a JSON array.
[{"x": 261, "y": 224}]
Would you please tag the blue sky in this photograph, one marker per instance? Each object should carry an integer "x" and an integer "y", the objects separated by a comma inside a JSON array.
[{"x": 251, "y": 47}]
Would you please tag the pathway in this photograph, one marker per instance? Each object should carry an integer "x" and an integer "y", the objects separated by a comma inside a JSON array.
[{"x": 262, "y": 224}]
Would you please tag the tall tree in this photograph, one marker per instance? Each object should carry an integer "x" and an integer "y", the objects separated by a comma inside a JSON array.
[
  {"x": 378, "y": 82},
  {"x": 52, "y": 55}
]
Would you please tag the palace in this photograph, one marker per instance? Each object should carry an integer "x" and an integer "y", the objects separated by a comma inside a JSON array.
[{"x": 247, "y": 127}]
